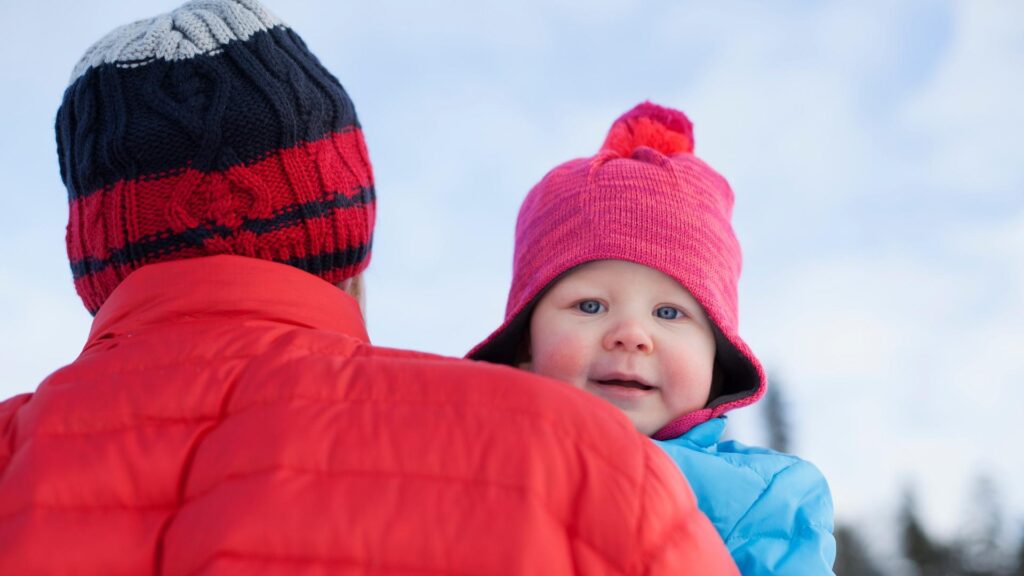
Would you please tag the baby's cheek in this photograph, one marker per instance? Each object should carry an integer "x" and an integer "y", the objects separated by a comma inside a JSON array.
[
  {"x": 691, "y": 384},
  {"x": 561, "y": 358}
]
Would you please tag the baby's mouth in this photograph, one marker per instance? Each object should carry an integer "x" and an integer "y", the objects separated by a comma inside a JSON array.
[{"x": 634, "y": 384}]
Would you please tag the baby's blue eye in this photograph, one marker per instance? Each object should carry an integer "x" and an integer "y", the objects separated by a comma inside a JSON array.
[
  {"x": 590, "y": 306},
  {"x": 667, "y": 313}
]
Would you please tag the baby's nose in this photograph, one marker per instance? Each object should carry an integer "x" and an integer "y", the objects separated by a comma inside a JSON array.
[{"x": 629, "y": 336}]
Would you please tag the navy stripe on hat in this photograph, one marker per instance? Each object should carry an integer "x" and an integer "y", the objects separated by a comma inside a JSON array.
[
  {"x": 322, "y": 263},
  {"x": 196, "y": 113}
]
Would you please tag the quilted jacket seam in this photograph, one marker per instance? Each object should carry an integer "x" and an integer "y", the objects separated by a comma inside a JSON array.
[
  {"x": 83, "y": 508},
  {"x": 312, "y": 560},
  {"x": 518, "y": 488},
  {"x": 760, "y": 497},
  {"x": 151, "y": 421},
  {"x": 799, "y": 531},
  {"x": 186, "y": 472}
]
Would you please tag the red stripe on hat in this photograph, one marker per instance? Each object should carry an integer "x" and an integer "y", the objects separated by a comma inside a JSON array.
[{"x": 149, "y": 208}]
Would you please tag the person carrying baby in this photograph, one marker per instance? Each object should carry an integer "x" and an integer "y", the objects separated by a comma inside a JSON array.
[{"x": 625, "y": 285}]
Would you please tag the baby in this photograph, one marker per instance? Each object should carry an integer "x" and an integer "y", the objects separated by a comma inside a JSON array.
[{"x": 625, "y": 285}]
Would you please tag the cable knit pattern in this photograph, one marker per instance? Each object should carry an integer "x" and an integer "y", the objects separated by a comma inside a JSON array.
[
  {"x": 199, "y": 27},
  {"x": 210, "y": 130}
]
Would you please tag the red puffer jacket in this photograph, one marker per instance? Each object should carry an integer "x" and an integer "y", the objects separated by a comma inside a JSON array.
[{"x": 228, "y": 416}]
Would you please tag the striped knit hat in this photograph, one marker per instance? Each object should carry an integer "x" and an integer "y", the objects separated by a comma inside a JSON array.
[
  {"x": 644, "y": 198},
  {"x": 210, "y": 130}
]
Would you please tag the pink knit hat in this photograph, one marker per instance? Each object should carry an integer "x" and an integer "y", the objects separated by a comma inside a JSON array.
[{"x": 644, "y": 198}]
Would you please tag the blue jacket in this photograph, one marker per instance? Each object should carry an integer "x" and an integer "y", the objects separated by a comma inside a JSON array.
[{"x": 773, "y": 510}]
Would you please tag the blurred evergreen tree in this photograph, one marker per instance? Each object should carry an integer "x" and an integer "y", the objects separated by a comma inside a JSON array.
[
  {"x": 981, "y": 548},
  {"x": 1019, "y": 570},
  {"x": 777, "y": 417},
  {"x": 852, "y": 556},
  {"x": 929, "y": 557}
]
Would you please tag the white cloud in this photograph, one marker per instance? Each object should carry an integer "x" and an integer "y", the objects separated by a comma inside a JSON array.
[{"x": 970, "y": 114}]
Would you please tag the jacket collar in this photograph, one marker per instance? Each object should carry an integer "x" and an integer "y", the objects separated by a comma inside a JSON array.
[
  {"x": 233, "y": 287},
  {"x": 706, "y": 434}
]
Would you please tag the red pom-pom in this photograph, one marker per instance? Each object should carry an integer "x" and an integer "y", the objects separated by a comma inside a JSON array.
[{"x": 651, "y": 126}]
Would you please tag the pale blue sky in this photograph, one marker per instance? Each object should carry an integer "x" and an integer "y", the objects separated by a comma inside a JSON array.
[{"x": 874, "y": 148}]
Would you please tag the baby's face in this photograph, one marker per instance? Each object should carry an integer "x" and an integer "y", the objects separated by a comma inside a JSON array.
[{"x": 630, "y": 334}]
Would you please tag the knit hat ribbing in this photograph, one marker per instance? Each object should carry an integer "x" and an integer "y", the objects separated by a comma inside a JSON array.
[
  {"x": 644, "y": 198},
  {"x": 210, "y": 130}
]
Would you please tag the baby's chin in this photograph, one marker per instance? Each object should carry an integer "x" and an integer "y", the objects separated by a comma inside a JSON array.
[
  {"x": 645, "y": 424},
  {"x": 649, "y": 430}
]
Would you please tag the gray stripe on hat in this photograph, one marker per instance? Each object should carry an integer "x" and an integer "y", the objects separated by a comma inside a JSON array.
[{"x": 197, "y": 27}]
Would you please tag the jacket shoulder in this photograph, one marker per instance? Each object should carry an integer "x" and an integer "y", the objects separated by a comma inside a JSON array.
[
  {"x": 773, "y": 510},
  {"x": 789, "y": 528},
  {"x": 460, "y": 381},
  {"x": 787, "y": 483},
  {"x": 8, "y": 411}
]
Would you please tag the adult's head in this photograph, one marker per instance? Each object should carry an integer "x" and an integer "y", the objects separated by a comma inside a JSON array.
[{"x": 210, "y": 130}]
